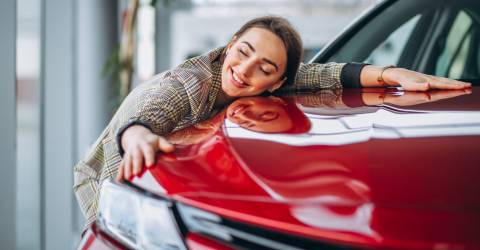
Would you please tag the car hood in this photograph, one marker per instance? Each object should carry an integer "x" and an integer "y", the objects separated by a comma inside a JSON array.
[{"x": 389, "y": 175}]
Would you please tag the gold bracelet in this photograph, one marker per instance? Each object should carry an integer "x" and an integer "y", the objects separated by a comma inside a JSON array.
[{"x": 380, "y": 77}]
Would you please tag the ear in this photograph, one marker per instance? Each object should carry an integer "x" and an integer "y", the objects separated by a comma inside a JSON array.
[
  {"x": 277, "y": 85},
  {"x": 229, "y": 46}
]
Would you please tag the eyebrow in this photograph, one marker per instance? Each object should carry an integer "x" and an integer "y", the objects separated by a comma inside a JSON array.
[{"x": 264, "y": 59}]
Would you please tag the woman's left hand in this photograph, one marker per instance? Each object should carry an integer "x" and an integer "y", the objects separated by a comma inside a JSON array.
[{"x": 414, "y": 81}]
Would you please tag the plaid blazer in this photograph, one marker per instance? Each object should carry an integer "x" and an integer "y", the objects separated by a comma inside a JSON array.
[{"x": 168, "y": 102}]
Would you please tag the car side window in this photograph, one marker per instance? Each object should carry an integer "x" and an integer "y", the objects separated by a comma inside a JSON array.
[
  {"x": 390, "y": 50},
  {"x": 389, "y": 37},
  {"x": 456, "y": 59}
]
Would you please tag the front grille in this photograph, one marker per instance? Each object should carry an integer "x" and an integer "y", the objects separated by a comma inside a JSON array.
[{"x": 241, "y": 235}]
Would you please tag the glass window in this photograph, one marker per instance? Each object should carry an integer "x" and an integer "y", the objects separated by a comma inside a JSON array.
[
  {"x": 435, "y": 37},
  {"x": 391, "y": 35},
  {"x": 389, "y": 51},
  {"x": 453, "y": 59},
  {"x": 458, "y": 63}
]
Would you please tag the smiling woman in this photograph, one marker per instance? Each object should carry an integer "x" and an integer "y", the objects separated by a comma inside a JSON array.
[
  {"x": 263, "y": 56},
  {"x": 254, "y": 63}
]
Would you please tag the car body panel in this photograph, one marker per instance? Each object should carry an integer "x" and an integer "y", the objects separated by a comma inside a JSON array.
[
  {"x": 415, "y": 186},
  {"x": 398, "y": 175}
]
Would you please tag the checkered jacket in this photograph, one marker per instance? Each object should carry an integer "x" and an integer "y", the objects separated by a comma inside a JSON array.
[{"x": 168, "y": 102}]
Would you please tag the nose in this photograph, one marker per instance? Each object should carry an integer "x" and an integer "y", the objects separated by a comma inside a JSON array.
[{"x": 245, "y": 68}]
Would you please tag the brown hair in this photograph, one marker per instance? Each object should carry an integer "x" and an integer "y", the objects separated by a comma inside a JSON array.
[{"x": 289, "y": 36}]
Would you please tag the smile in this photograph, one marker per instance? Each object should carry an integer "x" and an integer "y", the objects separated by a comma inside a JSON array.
[{"x": 236, "y": 81}]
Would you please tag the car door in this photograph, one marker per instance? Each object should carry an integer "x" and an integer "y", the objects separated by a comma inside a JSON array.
[
  {"x": 430, "y": 36},
  {"x": 455, "y": 52}
]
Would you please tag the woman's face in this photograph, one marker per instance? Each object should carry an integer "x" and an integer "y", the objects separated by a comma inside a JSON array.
[
  {"x": 255, "y": 62},
  {"x": 261, "y": 114}
]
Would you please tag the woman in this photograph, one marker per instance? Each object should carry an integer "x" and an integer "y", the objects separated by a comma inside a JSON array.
[
  {"x": 263, "y": 56},
  {"x": 268, "y": 114}
]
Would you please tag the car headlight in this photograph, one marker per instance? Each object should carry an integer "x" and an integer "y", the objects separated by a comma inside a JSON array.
[{"x": 139, "y": 221}]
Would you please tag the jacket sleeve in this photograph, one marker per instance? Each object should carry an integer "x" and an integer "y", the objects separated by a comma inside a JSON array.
[
  {"x": 159, "y": 105},
  {"x": 316, "y": 76}
]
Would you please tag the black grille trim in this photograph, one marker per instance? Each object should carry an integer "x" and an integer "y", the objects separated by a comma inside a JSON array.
[{"x": 241, "y": 235}]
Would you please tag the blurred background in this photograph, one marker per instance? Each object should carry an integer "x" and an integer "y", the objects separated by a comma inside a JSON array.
[{"x": 60, "y": 86}]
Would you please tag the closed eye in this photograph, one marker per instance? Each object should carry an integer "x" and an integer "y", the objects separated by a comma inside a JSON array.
[
  {"x": 242, "y": 52},
  {"x": 264, "y": 71},
  {"x": 269, "y": 116}
]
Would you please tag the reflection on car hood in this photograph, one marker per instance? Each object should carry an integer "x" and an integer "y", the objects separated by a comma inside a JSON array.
[{"x": 384, "y": 175}]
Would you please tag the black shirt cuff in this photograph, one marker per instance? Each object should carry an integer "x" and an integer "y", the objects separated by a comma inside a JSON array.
[
  {"x": 120, "y": 132},
  {"x": 350, "y": 75}
]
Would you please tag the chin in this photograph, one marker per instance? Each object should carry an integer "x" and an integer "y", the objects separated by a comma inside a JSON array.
[{"x": 230, "y": 92}]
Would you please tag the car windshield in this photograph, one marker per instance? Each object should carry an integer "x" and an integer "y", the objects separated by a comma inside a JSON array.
[{"x": 430, "y": 36}]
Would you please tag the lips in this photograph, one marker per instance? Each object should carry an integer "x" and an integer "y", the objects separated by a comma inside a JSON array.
[{"x": 236, "y": 81}]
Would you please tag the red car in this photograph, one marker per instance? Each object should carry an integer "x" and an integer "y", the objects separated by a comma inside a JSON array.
[{"x": 351, "y": 169}]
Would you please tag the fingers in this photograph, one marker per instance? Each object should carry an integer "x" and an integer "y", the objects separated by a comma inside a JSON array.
[
  {"x": 436, "y": 84},
  {"x": 137, "y": 159},
  {"x": 132, "y": 163},
  {"x": 127, "y": 167},
  {"x": 149, "y": 154},
  {"x": 164, "y": 145},
  {"x": 456, "y": 82},
  {"x": 142, "y": 153},
  {"x": 414, "y": 81},
  {"x": 120, "y": 171},
  {"x": 444, "y": 83}
]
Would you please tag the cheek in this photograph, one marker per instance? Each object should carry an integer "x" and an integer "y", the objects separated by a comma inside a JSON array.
[
  {"x": 231, "y": 58},
  {"x": 264, "y": 82}
]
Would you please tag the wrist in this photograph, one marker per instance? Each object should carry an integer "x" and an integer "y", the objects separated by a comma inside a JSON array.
[
  {"x": 386, "y": 77},
  {"x": 390, "y": 76}
]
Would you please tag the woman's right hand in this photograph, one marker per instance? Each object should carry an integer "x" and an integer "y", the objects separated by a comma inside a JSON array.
[{"x": 140, "y": 146}]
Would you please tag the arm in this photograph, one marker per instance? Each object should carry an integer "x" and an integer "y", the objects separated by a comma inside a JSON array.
[
  {"x": 158, "y": 113},
  {"x": 159, "y": 107},
  {"x": 315, "y": 76},
  {"x": 372, "y": 76}
]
